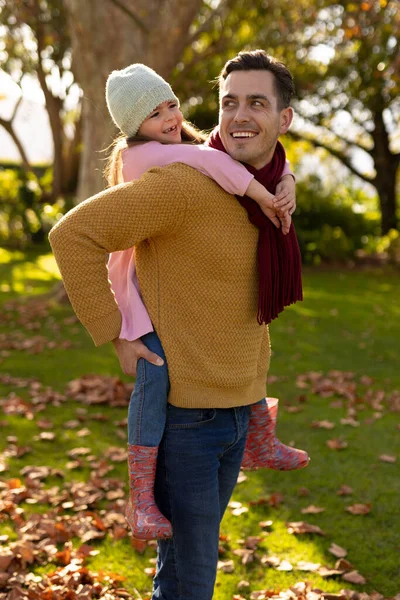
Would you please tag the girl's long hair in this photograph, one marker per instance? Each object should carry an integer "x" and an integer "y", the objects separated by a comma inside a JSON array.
[{"x": 113, "y": 168}]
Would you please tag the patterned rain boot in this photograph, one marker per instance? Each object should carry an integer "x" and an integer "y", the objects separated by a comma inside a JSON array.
[
  {"x": 263, "y": 449},
  {"x": 142, "y": 514}
]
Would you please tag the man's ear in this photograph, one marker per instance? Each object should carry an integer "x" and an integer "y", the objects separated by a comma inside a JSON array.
[{"x": 286, "y": 118}]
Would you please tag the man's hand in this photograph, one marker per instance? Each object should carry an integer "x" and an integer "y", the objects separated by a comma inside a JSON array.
[
  {"x": 130, "y": 352},
  {"x": 285, "y": 196}
]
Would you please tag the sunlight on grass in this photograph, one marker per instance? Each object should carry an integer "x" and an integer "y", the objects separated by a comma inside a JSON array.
[
  {"x": 27, "y": 274},
  {"x": 6, "y": 256}
]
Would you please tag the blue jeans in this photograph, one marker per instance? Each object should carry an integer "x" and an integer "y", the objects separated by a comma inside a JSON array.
[
  {"x": 148, "y": 405},
  {"x": 198, "y": 465}
]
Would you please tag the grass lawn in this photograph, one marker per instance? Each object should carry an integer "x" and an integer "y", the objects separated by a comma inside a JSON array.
[{"x": 347, "y": 328}]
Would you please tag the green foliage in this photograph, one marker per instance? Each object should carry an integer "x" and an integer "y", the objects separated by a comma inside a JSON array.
[
  {"x": 327, "y": 225},
  {"x": 25, "y": 218}
]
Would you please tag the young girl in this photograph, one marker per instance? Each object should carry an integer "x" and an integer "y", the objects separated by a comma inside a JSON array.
[{"x": 146, "y": 111}]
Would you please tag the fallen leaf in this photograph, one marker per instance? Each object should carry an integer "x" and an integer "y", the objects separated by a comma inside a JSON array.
[
  {"x": 354, "y": 577},
  {"x": 243, "y": 584},
  {"x": 337, "y": 551},
  {"x": 387, "y": 458},
  {"x": 307, "y": 566},
  {"x": 344, "y": 490},
  {"x": 246, "y": 555},
  {"x": 285, "y": 565},
  {"x": 328, "y": 572},
  {"x": 226, "y": 566},
  {"x": 323, "y": 424},
  {"x": 264, "y": 524},
  {"x": 359, "y": 509},
  {"x": 275, "y": 500},
  {"x": 271, "y": 561},
  {"x": 336, "y": 444},
  {"x": 312, "y": 510},
  {"x": 300, "y": 527}
]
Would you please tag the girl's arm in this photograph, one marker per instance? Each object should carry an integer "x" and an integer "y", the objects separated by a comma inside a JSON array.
[{"x": 227, "y": 172}]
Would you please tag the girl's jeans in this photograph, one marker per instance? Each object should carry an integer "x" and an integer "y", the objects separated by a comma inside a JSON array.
[
  {"x": 148, "y": 406},
  {"x": 198, "y": 464}
]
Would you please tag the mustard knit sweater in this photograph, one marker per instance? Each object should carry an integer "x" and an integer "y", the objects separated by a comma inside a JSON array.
[{"x": 197, "y": 270}]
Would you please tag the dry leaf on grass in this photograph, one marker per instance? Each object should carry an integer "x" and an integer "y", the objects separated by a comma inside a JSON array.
[
  {"x": 387, "y": 458},
  {"x": 328, "y": 572},
  {"x": 300, "y": 527},
  {"x": 307, "y": 566},
  {"x": 312, "y": 510},
  {"x": 322, "y": 425},
  {"x": 344, "y": 490},
  {"x": 336, "y": 444},
  {"x": 354, "y": 577},
  {"x": 337, "y": 551},
  {"x": 359, "y": 509},
  {"x": 285, "y": 565},
  {"x": 226, "y": 566}
]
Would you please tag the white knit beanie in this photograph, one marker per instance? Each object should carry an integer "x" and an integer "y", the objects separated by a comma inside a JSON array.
[{"x": 133, "y": 93}]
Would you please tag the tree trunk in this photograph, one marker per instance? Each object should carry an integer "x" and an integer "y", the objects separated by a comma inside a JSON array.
[
  {"x": 105, "y": 38},
  {"x": 72, "y": 156},
  {"x": 385, "y": 183},
  {"x": 53, "y": 107},
  {"x": 386, "y": 165}
]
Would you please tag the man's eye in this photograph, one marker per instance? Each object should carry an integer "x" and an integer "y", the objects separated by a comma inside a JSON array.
[{"x": 257, "y": 103}]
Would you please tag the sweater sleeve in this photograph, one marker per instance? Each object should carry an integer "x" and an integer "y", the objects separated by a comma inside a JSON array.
[
  {"x": 233, "y": 177},
  {"x": 287, "y": 170},
  {"x": 116, "y": 219}
]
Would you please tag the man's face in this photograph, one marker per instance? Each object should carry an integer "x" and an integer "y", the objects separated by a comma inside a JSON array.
[{"x": 249, "y": 118}]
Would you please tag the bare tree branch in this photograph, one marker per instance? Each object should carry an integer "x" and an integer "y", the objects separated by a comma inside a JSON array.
[
  {"x": 131, "y": 14},
  {"x": 16, "y": 107},
  {"x": 8, "y": 126},
  {"x": 336, "y": 153}
]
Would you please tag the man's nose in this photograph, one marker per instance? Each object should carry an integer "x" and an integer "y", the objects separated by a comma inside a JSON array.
[{"x": 241, "y": 115}]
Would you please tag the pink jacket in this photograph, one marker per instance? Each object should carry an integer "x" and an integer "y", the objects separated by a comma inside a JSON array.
[{"x": 228, "y": 173}]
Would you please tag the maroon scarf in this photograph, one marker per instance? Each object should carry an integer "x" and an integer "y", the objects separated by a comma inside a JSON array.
[{"x": 279, "y": 259}]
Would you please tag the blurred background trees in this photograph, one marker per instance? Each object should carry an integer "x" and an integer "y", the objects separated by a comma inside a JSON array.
[{"x": 344, "y": 55}]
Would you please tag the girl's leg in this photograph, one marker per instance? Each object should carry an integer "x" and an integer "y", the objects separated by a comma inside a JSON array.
[
  {"x": 146, "y": 422},
  {"x": 263, "y": 449},
  {"x": 148, "y": 404}
]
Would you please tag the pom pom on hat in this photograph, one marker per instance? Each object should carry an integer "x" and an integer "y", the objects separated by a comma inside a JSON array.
[{"x": 133, "y": 93}]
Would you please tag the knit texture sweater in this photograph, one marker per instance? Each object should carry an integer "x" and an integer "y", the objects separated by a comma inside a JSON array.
[{"x": 196, "y": 257}]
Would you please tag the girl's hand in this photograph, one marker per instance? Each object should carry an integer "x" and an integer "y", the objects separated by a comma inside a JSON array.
[
  {"x": 265, "y": 201},
  {"x": 286, "y": 221},
  {"x": 285, "y": 196},
  {"x": 130, "y": 352}
]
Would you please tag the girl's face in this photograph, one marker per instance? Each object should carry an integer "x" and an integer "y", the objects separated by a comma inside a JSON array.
[{"x": 164, "y": 124}]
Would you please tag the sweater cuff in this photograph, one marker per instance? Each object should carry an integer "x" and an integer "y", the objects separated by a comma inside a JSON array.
[{"x": 105, "y": 329}]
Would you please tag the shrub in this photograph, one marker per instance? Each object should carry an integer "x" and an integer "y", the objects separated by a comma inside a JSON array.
[
  {"x": 327, "y": 224},
  {"x": 24, "y": 218}
]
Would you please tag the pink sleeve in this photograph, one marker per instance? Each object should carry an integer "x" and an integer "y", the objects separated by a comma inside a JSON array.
[
  {"x": 287, "y": 170},
  {"x": 228, "y": 173}
]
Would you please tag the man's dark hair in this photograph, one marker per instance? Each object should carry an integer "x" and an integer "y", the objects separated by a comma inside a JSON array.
[{"x": 258, "y": 60}]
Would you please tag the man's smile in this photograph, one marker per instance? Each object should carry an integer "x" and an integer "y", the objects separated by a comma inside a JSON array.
[{"x": 243, "y": 134}]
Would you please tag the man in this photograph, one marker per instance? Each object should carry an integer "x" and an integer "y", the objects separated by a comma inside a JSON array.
[{"x": 196, "y": 259}]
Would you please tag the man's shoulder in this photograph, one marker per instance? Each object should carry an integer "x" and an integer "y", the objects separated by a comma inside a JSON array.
[{"x": 187, "y": 176}]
